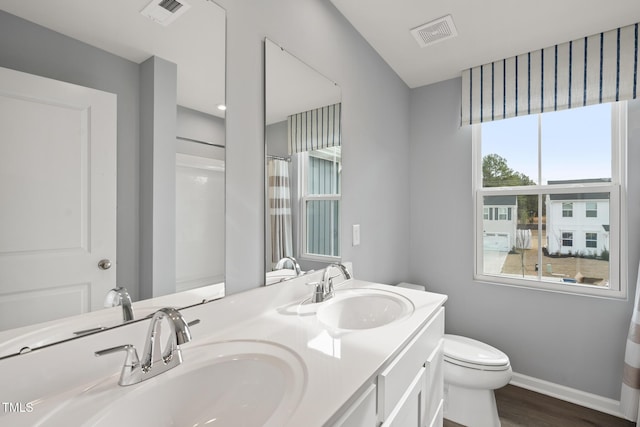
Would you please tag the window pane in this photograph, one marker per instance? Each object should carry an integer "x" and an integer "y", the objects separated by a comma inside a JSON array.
[
  {"x": 323, "y": 174},
  {"x": 504, "y": 235},
  {"x": 510, "y": 152},
  {"x": 577, "y": 247},
  {"x": 576, "y": 144},
  {"x": 567, "y": 250},
  {"x": 559, "y": 225},
  {"x": 323, "y": 218}
]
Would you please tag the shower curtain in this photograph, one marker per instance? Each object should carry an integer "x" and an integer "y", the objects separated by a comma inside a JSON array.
[
  {"x": 279, "y": 209},
  {"x": 630, "y": 393}
]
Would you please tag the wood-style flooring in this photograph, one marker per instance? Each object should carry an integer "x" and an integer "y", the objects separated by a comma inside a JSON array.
[{"x": 519, "y": 407}]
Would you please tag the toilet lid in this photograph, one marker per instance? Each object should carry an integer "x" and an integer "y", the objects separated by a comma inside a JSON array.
[{"x": 469, "y": 351}]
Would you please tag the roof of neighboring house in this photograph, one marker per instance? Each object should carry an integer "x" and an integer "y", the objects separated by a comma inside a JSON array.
[
  {"x": 579, "y": 181},
  {"x": 580, "y": 196},
  {"x": 500, "y": 200}
]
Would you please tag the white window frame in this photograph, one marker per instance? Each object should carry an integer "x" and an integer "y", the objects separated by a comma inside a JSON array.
[
  {"x": 587, "y": 210},
  {"x": 502, "y": 214},
  {"x": 569, "y": 237},
  {"x": 617, "y": 218},
  {"x": 587, "y": 240},
  {"x": 568, "y": 210},
  {"x": 303, "y": 168}
]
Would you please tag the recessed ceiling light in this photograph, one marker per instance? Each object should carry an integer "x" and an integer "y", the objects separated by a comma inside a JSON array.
[{"x": 222, "y": 107}]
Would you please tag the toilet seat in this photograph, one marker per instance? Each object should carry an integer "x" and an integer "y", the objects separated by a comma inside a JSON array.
[{"x": 474, "y": 354}]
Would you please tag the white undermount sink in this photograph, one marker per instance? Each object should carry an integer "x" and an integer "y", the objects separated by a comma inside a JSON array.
[
  {"x": 363, "y": 308},
  {"x": 230, "y": 383}
]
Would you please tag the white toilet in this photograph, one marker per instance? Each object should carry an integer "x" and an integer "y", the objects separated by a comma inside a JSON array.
[{"x": 472, "y": 371}]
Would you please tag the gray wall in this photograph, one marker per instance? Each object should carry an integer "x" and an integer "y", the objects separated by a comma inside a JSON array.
[
  {"x": 277, "y": 142},
  {"x": 158, "y": 92},
  {"x": 27, "y": 47},
  {"x": 200, "y": 126},
  {"x": 375, "y": 139},
  {"x": 571, "y": 340}
]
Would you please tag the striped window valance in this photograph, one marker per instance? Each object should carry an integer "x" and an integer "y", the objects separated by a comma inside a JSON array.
[
  {"x": 315, "y": 129},
  {"x": 595, "y": 69}
]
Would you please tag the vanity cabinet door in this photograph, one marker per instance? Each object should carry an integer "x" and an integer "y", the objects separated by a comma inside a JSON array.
[
  {"x": 433, "y": 388},
  {"x": 407, "y": 411},
  {"x": 397, "y": 377},
  {"x": 362, "y": 413}
]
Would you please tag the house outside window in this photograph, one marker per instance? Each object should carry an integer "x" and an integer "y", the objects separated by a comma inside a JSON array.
[
  {"x": 320, "y": 204},
  {"x": 557, "y": 207}
]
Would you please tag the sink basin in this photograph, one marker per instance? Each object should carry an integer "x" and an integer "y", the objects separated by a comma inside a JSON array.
[
  {"x": 363, "y": 309},
  {"x": 230, "y": 383}
]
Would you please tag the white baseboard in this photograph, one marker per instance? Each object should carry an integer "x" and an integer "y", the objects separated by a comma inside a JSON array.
[{"x": 588, "y": 400}]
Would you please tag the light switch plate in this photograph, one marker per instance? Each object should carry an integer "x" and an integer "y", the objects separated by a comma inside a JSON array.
[{"x": 356, "y": 235}]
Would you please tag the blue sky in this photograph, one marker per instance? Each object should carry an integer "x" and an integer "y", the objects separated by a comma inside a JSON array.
[{"x": 576, "y": 143}]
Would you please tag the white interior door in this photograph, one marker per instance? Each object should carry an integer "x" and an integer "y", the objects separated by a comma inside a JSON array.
[{"x": 57, "y": 198}]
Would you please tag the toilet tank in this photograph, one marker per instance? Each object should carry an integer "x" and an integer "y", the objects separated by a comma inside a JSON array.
[{"x": 411, "y": 286}]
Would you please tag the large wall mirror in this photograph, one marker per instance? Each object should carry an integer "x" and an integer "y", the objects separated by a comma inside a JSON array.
[
  {"x": 303, "y": 166},
  {"x": 112, "y": 160}
]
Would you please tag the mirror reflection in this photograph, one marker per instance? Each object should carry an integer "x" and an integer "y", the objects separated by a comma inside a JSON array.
[
  {"x": 303, "y": 166},
  {"x": 112, "y": 163}
]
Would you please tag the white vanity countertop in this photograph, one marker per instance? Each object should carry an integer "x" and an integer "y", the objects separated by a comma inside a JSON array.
[{"x": 338, "y": 363}]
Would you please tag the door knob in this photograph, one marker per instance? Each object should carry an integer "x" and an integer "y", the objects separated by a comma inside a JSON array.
[{"x": 104, "y": 264}]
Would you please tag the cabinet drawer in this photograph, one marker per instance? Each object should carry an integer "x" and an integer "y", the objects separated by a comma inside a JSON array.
[
  {"x": 407, "y": 411},
  {"x": 394, "y": 381},
  {"x": 362, "y": 413}
]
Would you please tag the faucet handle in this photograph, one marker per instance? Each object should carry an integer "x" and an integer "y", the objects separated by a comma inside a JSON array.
[
  {"x": 132, "y": 354},
  {"x": 318, "y": 291},
  {"x": 131, "y": 372}
]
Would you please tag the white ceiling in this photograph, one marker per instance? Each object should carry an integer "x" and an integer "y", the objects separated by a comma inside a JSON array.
[
  {"x": 487, "y": 30},
  {"x": 195, "y": 41}
]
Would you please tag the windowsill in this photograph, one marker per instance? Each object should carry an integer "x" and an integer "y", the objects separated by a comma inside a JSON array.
[
  {"x": 564, "y": 288},
  {"x": 320, "y": 258}
]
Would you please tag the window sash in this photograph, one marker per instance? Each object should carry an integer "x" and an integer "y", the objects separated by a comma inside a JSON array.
[
  {"x": 617, "y": 201},
  {"x": 567, "y": 239},
  {"x": 333, "y": 237},
  {"x": 591, "y": 240},
  {"x": 306, "y": 197},
  {"x": 616, "y": 287}
]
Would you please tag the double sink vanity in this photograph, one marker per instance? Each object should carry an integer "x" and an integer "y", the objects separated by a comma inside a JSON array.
[{"x": 365, "y": 354}]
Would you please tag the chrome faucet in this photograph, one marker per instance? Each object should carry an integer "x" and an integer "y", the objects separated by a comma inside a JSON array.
[
  {"x": 154, "y": 360},
  {"x": 288, "y": 259},
  {"x": 120, "y": 296},
  {"x": 324, "y": 289}
]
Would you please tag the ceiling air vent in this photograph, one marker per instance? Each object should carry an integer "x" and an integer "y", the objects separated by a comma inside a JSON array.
[
  {"x": 164, "y": 12},
  {"x": 435, "y": 31}
]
